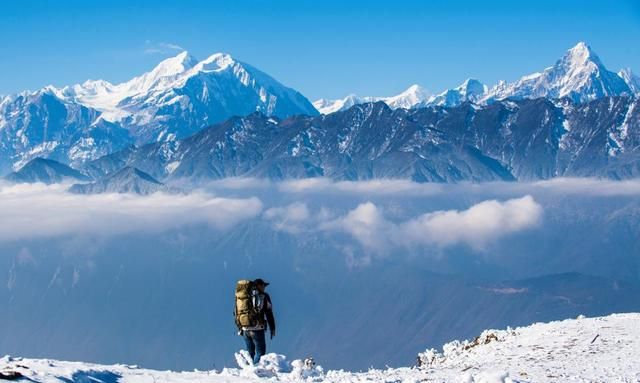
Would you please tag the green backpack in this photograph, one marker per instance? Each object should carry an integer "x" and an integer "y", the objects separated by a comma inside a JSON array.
[{"x": 245, "y": 310}]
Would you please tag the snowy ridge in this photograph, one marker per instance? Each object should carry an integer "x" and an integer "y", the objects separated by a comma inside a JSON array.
[
  {"x": 413, "y": 97},
  {"x": 106, "y": 97},
  {"x": 631, "y": 79},
  {"x": 579, "y": 75},
  {"x": 602, "y": 349},
  {"x": 178, "y": 97},
  {"x": 325, "y": 106},
  {"x": 142, "y": 96},
  {"x": 471, "y": 90}
]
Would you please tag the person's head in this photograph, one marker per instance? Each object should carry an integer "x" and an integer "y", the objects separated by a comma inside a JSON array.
[{"x": 261, "y": 284}]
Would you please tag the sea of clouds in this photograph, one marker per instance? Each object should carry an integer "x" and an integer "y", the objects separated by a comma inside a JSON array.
[{"x": 357, "y": 209}]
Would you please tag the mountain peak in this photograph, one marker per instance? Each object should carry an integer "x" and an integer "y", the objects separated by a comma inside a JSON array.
[
  {"x": 216, "y": 62},
  {"x": 414, "y": 96},
  {"x": 326, "y": 106},
  {"x": 415, "y": 88},
  {"x": 415, "y": 91},
  {"x": 172, "y": 66},
  {"x": 580, "y": 55},
  {"x": 470, "y": 90},
  {"x": 581, "y": 48},
  {"x": 126, "y": 180},
  {"x": 472, "y": 87},
  {"x": 46, "y": 171},
  {"x": 579, "y": 75}
]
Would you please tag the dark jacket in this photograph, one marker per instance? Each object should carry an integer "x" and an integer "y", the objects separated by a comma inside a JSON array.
[{"x": 267, "y": 312}]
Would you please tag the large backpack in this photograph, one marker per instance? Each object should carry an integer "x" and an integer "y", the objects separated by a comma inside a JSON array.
[{"x": 249, "y": 304}]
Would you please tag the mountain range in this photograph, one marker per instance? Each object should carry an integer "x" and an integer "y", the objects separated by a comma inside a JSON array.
[
  {"x": 220, "y": 117},
  {"x": 506, "y": 140},
  {"x": 579, "y": 75},
  {"x": 177, "y": 98}
]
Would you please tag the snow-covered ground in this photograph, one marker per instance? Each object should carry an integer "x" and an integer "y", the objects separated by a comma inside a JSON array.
[{"x": 603, "y": 349}]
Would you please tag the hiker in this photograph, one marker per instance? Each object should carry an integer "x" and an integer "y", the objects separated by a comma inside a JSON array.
[{"x": 253, "y": 313}]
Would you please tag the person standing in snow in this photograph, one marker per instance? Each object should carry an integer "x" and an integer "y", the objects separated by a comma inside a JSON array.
[{"x": 253, "y": 315}]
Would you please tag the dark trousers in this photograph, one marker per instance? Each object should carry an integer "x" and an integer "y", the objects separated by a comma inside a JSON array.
[{"x": 256, "y": 344}]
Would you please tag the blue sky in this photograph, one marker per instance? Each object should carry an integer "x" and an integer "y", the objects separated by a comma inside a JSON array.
[{"x": 323, "y": 48}]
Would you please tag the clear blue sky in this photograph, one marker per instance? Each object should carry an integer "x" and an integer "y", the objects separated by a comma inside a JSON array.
[{"x": 325, "y": 48}]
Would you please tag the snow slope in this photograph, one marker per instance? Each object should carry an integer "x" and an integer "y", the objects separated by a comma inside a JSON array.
[{"x": 602, "y": 349}]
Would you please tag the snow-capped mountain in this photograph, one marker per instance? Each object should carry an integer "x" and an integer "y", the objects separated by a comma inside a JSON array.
[
  {"x": 414, "y": 97},
  {"x": 178, "y": 97},
  {"x": 40, "y": 124},
  {"x": 579, "y": 75},
  {"x": 46, "y": 171},
  {"x": 471, "y": 90},
  {"x": 182, "y": 95},
  {"x": 600, "y": 349},
  {"x": 505, "y": 140},
  {"x": 325, "y": 106}
]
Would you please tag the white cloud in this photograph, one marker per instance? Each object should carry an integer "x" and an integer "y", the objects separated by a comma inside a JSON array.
[
  {"x": 590, "y": 186},
  {"x": 305, "y": 185},
  {"x": 400, "y": 187},
  {"x": 477, "y": 226},
  {"x": 37, "y": 210},
  {"x": 292, "y": 218},
  {"x": 239, "y": 183},
  {"x": 371, "y": 187},
  {"x": 366, "y": 224},
  {"x": 161, "y": 47},
  {"x": 506, "y": 290}
]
